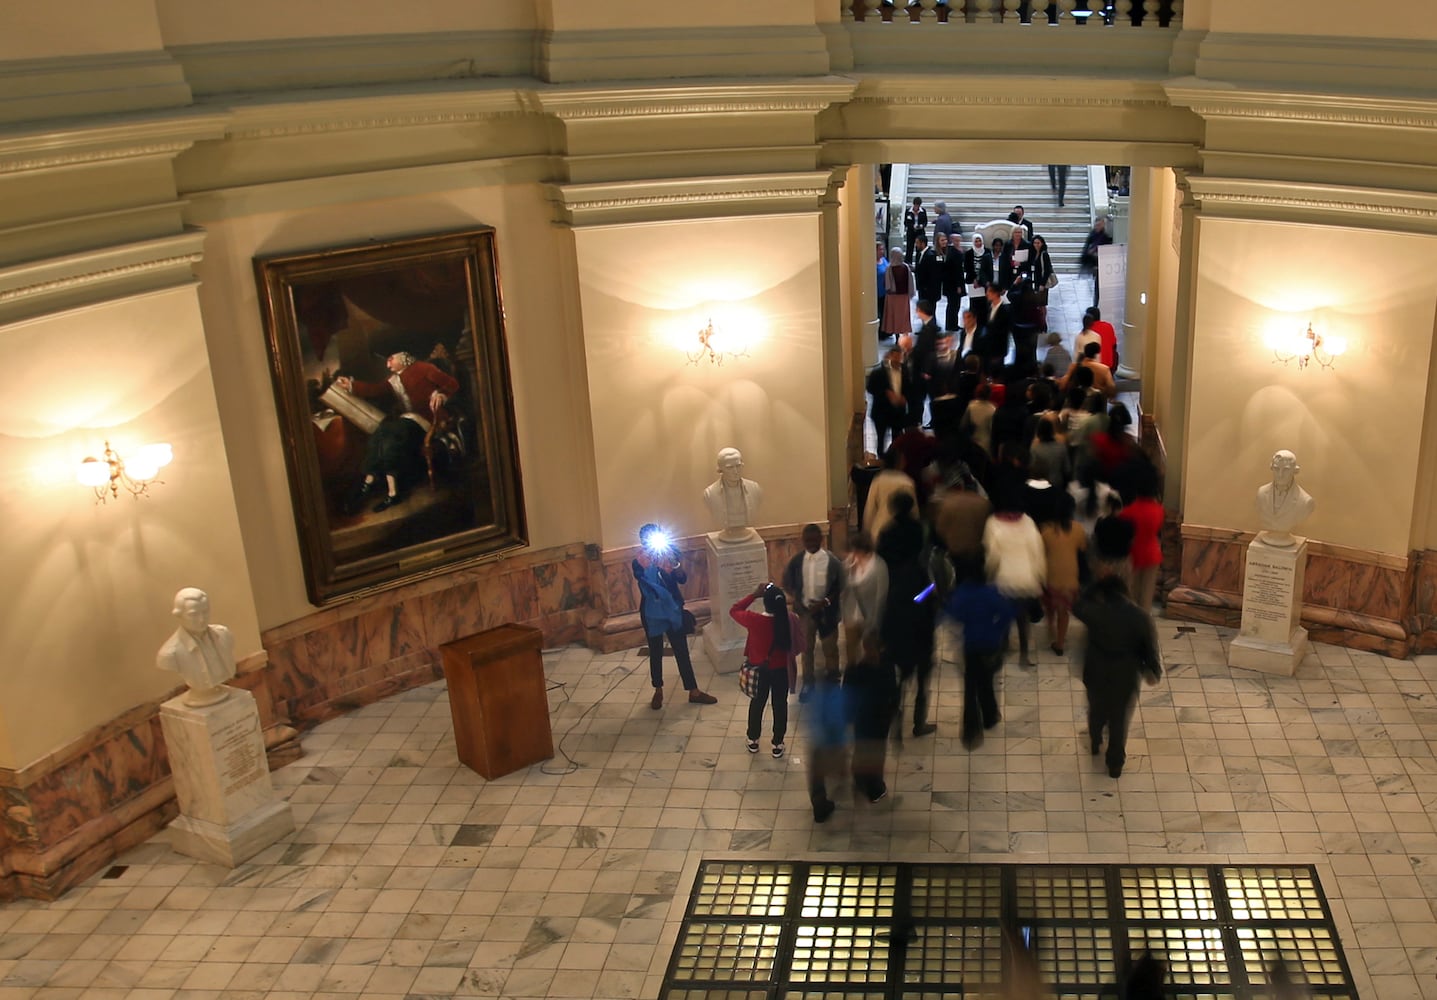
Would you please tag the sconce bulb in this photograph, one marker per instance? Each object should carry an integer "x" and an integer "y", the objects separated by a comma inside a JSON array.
[
  {"x": 93, "y": 472},
  {"x": 152, "y": 456},
  {"x": 1334, "y": 345}
]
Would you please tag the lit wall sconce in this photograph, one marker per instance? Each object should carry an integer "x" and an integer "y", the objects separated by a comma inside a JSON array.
[
  {"x": 715, "y": 346},
  {"x": 1309, "y": 346},
  {"x": 107, "y": 475}
]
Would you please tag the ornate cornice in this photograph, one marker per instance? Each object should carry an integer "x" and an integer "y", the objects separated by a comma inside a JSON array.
[
  {"x": 99, "y": 140},
  {"x": 354, "y": 111},
  {"x": 1369, "y": 203},
  {"x": 609, "y": 202},
  {"x": 739, "y": 97},
  {"x": 1304, "y": 106},
  {"x": 97, "y": 267}
]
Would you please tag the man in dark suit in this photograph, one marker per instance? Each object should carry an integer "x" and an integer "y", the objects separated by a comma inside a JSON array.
[
  {"x": 950, "y": 271},
  {"x": 942, "y": 379},
  {"x": 1017, "y": 216},
  {"x": 928, "y": 272},
  {"x": 925, "y": 345},
  {"x": 915, "y": 224},
  {"x": 993, "y": 344},
  {"x": 814, "y": 581},
  {"x": 890, "y": 387}
]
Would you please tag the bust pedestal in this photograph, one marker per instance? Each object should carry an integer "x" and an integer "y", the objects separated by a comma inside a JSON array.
[
  {"x": 228, "y": 809},
  {"x": 735, "y": 570},
  {"x": 1271, "y": 639}
]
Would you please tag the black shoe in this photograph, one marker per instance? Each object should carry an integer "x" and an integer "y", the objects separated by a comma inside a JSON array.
[
  {"x": 924, "y": 729},
  {"x": 822, "y": 811},
  {"x": 1097, "y": 748},
  {"x": 973, "y": 742},
  {"x": 1115, "y": 772},
  {"x": 385, "y": 504},
  {"x": 996, "y": 719},
  {"x": 880, "y": 796}
]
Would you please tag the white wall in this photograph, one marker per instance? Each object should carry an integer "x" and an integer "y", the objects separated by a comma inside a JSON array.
[
  {"x": 658, "y": 421},
  {"x": 552, "y": 425},
  {"x": 1356, "y": 429},
  {"x": 87, "y": 590}
]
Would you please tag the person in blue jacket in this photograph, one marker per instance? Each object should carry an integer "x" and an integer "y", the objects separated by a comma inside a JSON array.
[{"x": 986, "y": 616}]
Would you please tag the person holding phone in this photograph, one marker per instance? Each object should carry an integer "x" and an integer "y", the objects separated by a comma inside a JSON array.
[{"x": 659, "y": 573}]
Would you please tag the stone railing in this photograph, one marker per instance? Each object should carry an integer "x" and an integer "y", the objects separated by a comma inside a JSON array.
[{"x": 1149, "y": 14}]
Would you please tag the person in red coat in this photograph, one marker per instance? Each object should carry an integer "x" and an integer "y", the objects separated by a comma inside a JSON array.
[
  {"x": 770, "y": 648},
  {"x": 1145, "y": 514},
  {"x": 422, "y": 389},
  {"x": 396, "y": 446}
]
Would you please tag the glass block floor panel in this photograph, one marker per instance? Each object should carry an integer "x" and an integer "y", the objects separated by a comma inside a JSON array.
[{"x": 889, "y": 931}]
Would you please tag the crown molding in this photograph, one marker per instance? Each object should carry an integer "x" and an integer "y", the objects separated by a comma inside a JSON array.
[
  {"x": 711, "y": 97},
  {"x": 103, "y": 273},
  {"x": 308, "y": 114},
  {"x": 958, "y": 90},
  {"x": 1227, "y": 101},
  {"x": 88, "y": 141},
  {"x": 1363, "y": 207},
  {"x": 692, "y": 197}
]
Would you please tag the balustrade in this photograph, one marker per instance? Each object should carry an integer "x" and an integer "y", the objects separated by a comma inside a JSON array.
[{"x": 1147, "y": 14}]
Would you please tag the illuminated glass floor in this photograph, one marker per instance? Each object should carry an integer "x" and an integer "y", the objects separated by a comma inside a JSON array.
[{"x": 832, "y": 931}]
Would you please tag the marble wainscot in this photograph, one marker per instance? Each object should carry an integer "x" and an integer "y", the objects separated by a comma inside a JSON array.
[
  {"x": 228, "y": 808},
  {"x": 1270, "y": 638},
  {"x": 735, "y": 570}
]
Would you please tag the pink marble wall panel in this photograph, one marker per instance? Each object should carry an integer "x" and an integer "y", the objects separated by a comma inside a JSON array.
[
  {"x": 1209, "y": 564},
  {"x": 1327, "y": 581}
]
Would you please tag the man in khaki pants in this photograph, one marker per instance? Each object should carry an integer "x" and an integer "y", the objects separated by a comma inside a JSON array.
[{"x": 814, "y": 581}]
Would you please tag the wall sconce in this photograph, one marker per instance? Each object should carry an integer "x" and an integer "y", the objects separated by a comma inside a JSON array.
[
  {"x": 715, "y": 346},
  {"x": 106, "y": 475},
  {"x": 1309, "y": 346}
]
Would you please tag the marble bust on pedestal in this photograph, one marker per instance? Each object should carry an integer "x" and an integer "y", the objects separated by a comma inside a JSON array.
[
  {"x": 732, "y": 500},
  {"x": 201, "y": 653},
  {"x": 1282, "y": 505}
]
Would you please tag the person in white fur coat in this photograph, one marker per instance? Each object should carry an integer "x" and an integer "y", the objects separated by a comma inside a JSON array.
[{"x": 1017, "y": 565}]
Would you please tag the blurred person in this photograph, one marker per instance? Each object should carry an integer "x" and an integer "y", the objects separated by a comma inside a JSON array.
[
  {"x": 1121, "y": 647},
  {"x": 985, "y": 616},
  {"x": 871, "y": 693},
  {"x": 907, "y": 631},
  {"x": 813, "y": 580},
  {"x": 893, "y": 479},
  {"x": 864, "y": 596},
  {"x": 1064, "y": 542},
  {"x": 1016, "y": 563}
]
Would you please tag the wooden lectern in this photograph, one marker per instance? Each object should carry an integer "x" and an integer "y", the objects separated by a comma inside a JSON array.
[{"x": 497, "y": 699}]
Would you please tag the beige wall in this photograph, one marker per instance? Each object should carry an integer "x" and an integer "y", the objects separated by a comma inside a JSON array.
[
  {"x": 193, "y": 22},
  {"x": 658, "y": 422},
  {"x": 1339, "y": 18},
  {"x": 1162, "y": 307},
  {"x": 584, "y": 15},
  {"x": 552, "y": 425},
  {"x": 1355, "y": 429},
  {"x": 30, "y": 30},
  {"x": 88, "y": 589}
]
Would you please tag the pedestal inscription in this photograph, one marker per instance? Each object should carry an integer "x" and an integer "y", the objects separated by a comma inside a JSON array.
[
  {"x": 735, "y": 569},
  {"x": 228, "y": 809},
  {"x": 1271, "y": 638}
]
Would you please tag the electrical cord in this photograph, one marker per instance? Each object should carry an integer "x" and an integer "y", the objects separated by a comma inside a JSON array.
[{"x": 571, "y": 765}]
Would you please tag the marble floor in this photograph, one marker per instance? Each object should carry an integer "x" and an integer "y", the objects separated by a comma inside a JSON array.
[{"x": 409, "y": 876}]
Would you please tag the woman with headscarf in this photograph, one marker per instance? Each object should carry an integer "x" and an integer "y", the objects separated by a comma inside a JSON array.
[{"x": 898, "y": 292}]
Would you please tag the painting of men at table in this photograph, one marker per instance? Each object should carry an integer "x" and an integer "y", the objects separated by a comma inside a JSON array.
[{"x": 392, "y": 379}]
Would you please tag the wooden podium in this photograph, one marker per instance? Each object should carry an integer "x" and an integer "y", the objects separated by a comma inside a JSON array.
[{"x": 497, "y": 699}]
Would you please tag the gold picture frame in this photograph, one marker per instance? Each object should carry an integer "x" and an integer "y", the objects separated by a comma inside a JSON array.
[{"x": 391, "y": 380}]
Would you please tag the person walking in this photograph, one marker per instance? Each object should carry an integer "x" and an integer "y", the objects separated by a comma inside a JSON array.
[
  {"x": 865, "y": 592},
  {"x": 1064, "y": 542},
  {"x": 660, "y": 573},
  {"x": 1016, "y": 562},
  {"x": 871, "y": 692},
  {"x": 1122, "y": 646},
  {"x": 907, "y": 622},
  {"x": 813, "y": 580},
  {"x": 986, "y": 616},
  {"x": 770, "y": 648}
]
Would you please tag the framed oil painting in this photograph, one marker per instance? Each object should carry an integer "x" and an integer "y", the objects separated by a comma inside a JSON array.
[{"x": 391, "y": 378}]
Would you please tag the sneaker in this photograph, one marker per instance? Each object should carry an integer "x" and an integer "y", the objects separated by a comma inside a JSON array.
[
  {"x": 753, "y": 746},
  {"x": 822, "y": 812},
  {"x": 924, "y": 729},
  {"x": 777, "y": 750},
  {"x": 698, "y": 697},
  {"x": 657, "y": 701}
]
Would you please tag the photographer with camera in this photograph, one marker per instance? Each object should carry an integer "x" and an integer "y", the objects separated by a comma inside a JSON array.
[{"x": 661, "y": 610}]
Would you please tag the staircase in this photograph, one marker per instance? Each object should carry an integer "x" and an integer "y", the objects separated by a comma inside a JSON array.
[{"x": 978, "y": 193}]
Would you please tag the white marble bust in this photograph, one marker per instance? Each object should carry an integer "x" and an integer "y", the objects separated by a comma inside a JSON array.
[
  {"x": 201, "y": 653},
  {"x": 1281, "y": 504},
  {"x": 733, "y": 500}
]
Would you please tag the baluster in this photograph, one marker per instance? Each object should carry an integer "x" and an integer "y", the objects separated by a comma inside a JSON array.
[
  {"x": 1176, "y": 20},
  {"x": 983, "y": 11},
  {"x": 1150, "y": 13},
  {"x": 1123, "y": 14},
  {"x": 1010, "y": 11},
  {"x": 926, "y": 11},
  {"x": 1065, "y": 11}
]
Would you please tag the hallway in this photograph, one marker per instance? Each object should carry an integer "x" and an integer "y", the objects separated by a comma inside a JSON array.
[{"x": 410, "y": 876}]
